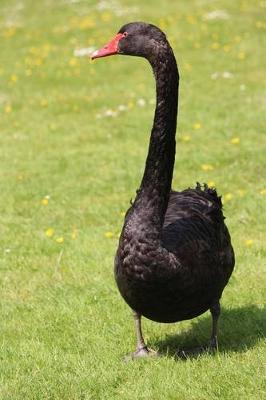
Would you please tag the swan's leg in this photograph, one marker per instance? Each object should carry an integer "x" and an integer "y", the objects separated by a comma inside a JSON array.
[
  {"x": 141, "y": 345},
  {"x": 213, "y": 343},
  {"x": 215, "y": 312},
  {"x": 142, "y": 350}
]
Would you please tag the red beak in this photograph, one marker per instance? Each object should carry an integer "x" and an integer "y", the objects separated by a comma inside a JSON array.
[{"x": 109, "y": 49}]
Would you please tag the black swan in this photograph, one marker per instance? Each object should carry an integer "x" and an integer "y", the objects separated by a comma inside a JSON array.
[{"x": 175, "y": 255}]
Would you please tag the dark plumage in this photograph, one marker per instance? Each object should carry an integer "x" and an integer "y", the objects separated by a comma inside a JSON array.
[{"x": 174, "y": 256}]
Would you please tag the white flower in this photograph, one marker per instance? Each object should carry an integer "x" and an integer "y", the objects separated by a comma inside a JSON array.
[
  {"x": 224, "y": 75},
  {"x": 227, "y": 75},
  {"x": 121, "y": 107},
  {"x": 141, "y": 102},
  {"x": 110, "y": 113},
  {"x": 215, "y": 75},
  {"x": 216, "y": 14},
  {"x": 115, "y": 7},
  {"x": 106, "y": 114},
  {"x": 85, "y": 51}
]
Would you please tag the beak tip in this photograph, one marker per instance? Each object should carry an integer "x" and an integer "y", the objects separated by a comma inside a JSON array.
[
  {"x": 94, "y": 55},
  {"x": 109, "y": 49}
]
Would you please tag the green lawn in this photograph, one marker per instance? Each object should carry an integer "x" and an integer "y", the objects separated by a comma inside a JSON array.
[{"x": 73, "y": 141}]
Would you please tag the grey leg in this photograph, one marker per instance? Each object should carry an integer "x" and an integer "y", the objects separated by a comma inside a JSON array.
[
  {"x": 213, "y": 343},
  {"x": 215, "y": 312},
  {"x": 142, "y": 350}
]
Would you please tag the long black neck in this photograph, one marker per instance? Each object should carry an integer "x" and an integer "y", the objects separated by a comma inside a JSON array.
[{"x": 153, "y": 195}]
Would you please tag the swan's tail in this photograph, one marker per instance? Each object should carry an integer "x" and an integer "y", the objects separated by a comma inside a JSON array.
[{"x": 210, "y": 194}]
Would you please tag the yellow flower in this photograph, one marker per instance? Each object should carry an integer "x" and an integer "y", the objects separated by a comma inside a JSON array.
[
  {"x": 52, "y": 127},
  {"x": 227, "y": 197},
  {"x": 74, "y": 234},
  {"x": 185, "y": 138},
  {"x": 211, "y": 184},
  {"x": 45, "y": 201},
  {"x": 44, "y": 103},
  {"x": 226, "y": 48},
  {"x": 123, "y": 213},
  {"x": 215, "y": 45},
  {"x": 33, "y": 50},
  {"x": 235, "y": 140},
  {"x": 197, "y": 125},
  {"x": 188, "y": 66},
  {"x": 8, "y": 109},
  {"x": 241, "y": 55},
  {"x": 248, "y": 242},
  {"x": 86, "y": 23},
  {"x": 9, "y": 32},
  {"x": 59, "y": 240},
  {"x": 46, "y": 48},
  {"x": 259, "y": 24},
  {"x": 106, "y": 16},
  {"x": 38, "y": 62},
  {"x": 73, "y": 62},
  {"x": 13, "y": 78},
  {"x": 263, "y": 191},
  {"x": 191, "y": 19},
  {"x": 109, "y": 234},
  {"x": 49, "y": 232},
  {"x": 207, "y": 167},
  {"x": 162, "y": 24}
]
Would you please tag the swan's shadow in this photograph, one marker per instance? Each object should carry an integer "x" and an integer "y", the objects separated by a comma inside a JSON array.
[{"x": 239, "y": 329}]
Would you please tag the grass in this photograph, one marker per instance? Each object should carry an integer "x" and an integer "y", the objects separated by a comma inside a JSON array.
[{"x": 67, "y": 174}]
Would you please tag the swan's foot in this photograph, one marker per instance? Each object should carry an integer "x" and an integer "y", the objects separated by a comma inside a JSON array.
[
  {"x": 190, "y": 353},
  {"x": 213, "y": 345},
  {"x": 141, "y": 353},
  {"x": 142, "y": 349},
  {"x": 196, "y": 351}
]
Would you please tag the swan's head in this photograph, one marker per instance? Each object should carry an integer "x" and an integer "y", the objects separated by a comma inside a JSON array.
[{"x": 134, "y": 39}]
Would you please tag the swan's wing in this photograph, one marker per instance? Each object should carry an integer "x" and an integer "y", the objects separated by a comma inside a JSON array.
[{"x": 195, "y": 232}]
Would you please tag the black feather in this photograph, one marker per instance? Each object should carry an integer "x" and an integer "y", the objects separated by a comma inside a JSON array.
[{"x": 175, "y": 255}]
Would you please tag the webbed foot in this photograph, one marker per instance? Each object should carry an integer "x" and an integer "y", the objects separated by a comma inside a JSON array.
[
  {"x": 213, "y": 344},
  {"x": 141, "y": 353},
  {"x": 184, "y": 354},
  {"x": 211, "y": 347}
]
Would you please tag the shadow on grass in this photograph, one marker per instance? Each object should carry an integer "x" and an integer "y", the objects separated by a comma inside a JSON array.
[{"x": 239, "y": 329}]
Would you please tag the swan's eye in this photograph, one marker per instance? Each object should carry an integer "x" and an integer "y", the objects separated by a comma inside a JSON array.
[{"x": 125, "y": 34}]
